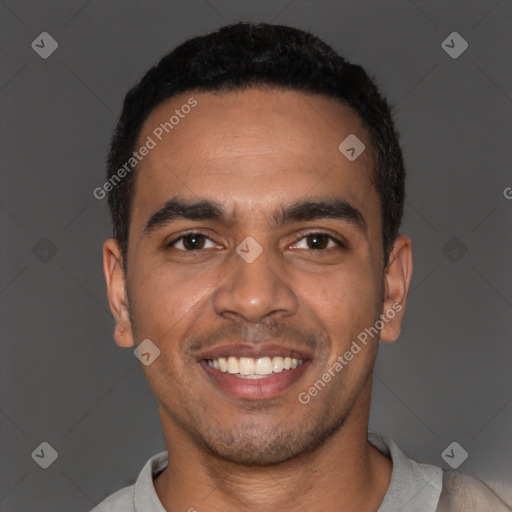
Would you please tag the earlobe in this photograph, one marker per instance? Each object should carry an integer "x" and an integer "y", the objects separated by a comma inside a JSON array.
[
  {"x": 397, "y": 280},
  {"x": 123, "y": 337},
  {"x": 116, "y": 288}
]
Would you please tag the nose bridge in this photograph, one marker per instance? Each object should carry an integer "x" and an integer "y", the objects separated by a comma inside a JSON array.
[{"x": 254, "y": 288}]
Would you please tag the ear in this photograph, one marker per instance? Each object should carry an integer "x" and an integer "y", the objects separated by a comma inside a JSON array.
[
  {"x": 397, "y": 280},
  {"x": 116, "y": 289}
]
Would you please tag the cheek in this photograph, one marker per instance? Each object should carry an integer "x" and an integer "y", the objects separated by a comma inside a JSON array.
[
  {"x": 347, "y": 302},
  {"x": 165, "y": 301},
  {"x": 346, "y": 299}
]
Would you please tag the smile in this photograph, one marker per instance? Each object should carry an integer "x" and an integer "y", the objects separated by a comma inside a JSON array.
[
  {"x": 254, "y": 368},
  {"x": 254, "y": 378}
]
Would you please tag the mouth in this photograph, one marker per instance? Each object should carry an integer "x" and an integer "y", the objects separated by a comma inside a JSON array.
[
  {"x": 254, "y": 378},
  {"x": 251, "y": 368}
]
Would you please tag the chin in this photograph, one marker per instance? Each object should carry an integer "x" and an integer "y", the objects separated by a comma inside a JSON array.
[
  {"x": 246, "y": 455},
  {"x": 259, "y": 448}
]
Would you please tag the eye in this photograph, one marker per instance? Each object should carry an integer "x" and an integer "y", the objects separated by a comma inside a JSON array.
[
  {"x": 192, "y": 242},
  {"x": 317, "y": 241}
]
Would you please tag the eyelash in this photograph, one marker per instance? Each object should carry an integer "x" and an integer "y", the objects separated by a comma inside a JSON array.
[{"x": 339, "y": 243}]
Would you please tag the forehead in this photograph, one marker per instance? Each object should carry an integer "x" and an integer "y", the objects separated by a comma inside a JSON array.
[{"x": 252, "y": 148}]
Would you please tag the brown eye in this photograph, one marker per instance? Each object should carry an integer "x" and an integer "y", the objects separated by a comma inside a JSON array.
[
  {"x": 191, "y": 242},
  {"x": 318, "y": 241}
]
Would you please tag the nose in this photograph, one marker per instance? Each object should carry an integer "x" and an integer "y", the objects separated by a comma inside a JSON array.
[{"x": 255, "y": 290}]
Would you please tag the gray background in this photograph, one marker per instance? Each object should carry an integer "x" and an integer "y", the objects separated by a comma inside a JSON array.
[{"x": 63, "y": 379}]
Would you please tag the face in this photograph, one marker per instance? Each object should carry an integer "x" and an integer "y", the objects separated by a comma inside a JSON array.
[{"x": 255, "y": 245}]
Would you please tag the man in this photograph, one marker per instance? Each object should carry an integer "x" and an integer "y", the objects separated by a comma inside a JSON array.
[{"x": 256, "y": 186}]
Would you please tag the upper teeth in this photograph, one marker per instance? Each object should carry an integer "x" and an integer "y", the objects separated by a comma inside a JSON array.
[{"x": 248, "y": 366}]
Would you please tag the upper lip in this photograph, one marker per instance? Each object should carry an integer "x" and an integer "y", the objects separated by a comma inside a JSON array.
[{"x": 254, "y": 351}]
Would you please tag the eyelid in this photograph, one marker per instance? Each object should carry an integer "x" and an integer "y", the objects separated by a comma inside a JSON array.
[
  {"x": 303, "y": 234},
  {"x": 186, "y": 233},
  {"x": 338, "y": 241}
]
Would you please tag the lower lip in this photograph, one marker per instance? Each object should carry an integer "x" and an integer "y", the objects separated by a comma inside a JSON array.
[{"x": 254, "y": 389}]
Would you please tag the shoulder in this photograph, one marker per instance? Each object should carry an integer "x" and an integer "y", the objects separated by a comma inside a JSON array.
[
  {"x": 141, "y": 495},
  {"x": 120, "y": 500},
  {"x": 464, "y": 493}
]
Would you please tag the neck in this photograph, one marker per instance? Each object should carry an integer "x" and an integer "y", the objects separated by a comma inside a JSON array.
[{"x": 344, "y": 473}]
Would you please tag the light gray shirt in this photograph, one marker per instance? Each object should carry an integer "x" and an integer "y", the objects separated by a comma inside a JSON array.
[{"x": 414, "y": 487}]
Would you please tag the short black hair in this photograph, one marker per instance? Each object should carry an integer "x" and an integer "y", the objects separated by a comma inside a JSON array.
[{"x": 244, "y": 55}]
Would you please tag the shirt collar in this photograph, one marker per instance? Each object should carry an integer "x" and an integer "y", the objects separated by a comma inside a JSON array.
[{"x": 414, "y": 486}]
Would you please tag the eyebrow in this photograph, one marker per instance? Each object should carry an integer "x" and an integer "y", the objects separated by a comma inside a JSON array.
[{"x": 306, "y": 210}]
